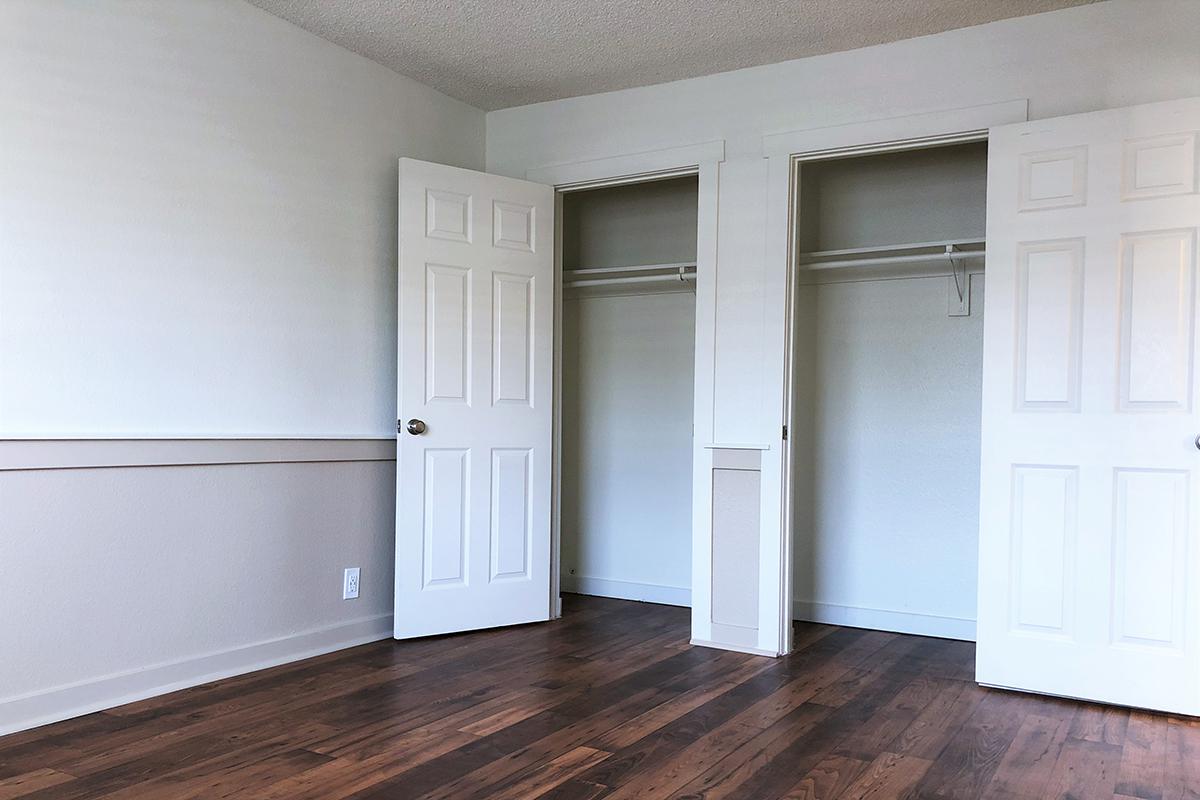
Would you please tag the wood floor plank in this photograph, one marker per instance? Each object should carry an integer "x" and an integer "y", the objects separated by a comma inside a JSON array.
[
  {"x": 22, "y": 785},
  {"x": 610, "y": 702},
  {"x": 1142, "y": 773},
  {"x": 940, "y": 721},
  {"x": 1097, "y": 723},
  {"x": 591, "y": 718},
  {"x": 828, "y": 779},
  {"x": 858, "y": 703},
  {"x": 554, "y": 773},
  {"x": 727, "y": 778},
  {"x": 1084, "y": 769},
  {"x": 342, "y": 778},
  {"x": 965, "y": 767},
  {"x": 1028, "y": 765},
  {"x": 489, "y": 754},
  {"x": 1181, "y": 776},
  {"x": 889, "y": 775}
]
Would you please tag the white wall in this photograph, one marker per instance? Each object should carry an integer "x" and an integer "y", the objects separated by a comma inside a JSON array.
[
  {"x": 197, "y": 238},
  {"x": 633, "y": 225},
  {"x": 627, "y": 436},
  {"x": 890, "y": 537},
  {"x": 198, "y": 220},
  {"x": 626, "y": 399},
  {"x": 913, "y": 196},
  {"x": 1091, "y": 57}
]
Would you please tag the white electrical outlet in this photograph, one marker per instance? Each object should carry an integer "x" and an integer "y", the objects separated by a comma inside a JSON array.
[{"x": 350, "y": 583}]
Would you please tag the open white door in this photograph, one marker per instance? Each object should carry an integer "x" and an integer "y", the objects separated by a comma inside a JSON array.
[
  {"x": 475, "y": 359},
  {"x": 1089, "y": 582}
]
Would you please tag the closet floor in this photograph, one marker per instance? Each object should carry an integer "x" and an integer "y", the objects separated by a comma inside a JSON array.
[{"x": 610, "y": 702}]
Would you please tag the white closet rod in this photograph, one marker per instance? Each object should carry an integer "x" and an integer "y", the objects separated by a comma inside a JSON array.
[
  {"x": 683, "y": 265},
  {"x": 678, "y": 276},
  {"x": 939, "y": 246},
  {"x": 882, "y": 260}
]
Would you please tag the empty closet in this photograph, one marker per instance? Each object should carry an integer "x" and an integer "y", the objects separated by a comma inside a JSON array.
[
  {"x": 627, "y": 344},
  {"x": 887, "y": 364}
]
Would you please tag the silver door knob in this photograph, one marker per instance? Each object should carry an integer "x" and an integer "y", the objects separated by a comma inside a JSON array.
[
  {"x": 1198, "y": 442},
  {"x": 416, "y": 427}
]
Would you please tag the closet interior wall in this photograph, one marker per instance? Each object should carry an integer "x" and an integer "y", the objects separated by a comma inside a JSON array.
[
  {"x": 627, "y": 385},
  {"x": 887, "y": 393}
]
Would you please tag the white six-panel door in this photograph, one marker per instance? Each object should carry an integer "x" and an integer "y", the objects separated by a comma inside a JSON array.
[
  {"x": 476, "y": 281},
  {"x": 1089, "y": 582}
]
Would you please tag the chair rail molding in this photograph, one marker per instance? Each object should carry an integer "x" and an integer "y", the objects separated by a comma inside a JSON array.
[{"x": 98, "y": 453}]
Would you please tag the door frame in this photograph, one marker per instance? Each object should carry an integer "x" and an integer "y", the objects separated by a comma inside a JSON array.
[
  {"x": 785, "y": 153},
  {"x": 702, "y": 160}
]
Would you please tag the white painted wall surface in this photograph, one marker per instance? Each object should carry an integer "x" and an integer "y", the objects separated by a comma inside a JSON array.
[
  {"x": 628, "y": 369},
  {"x": 627, "y": 446},
  {"x": 890, "y": 537},
  {"x": 1091, "y": 57},
  {"x": 894, "y": 198},
  {"x": 198, "y": 220},
  {"x": 638, "y": 224},
  {"x": 197, "y": 237}
]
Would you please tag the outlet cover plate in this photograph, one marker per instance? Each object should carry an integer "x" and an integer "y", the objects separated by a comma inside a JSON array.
[{"x": 350, "y": 583}]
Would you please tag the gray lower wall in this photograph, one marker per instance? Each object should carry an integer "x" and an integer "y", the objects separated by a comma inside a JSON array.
[{"x": 122, "y": 582}]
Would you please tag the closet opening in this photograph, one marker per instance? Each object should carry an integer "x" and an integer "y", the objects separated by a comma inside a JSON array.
[
  {"x": 886, "y": 388},
  {"x": 625, "y": 345}
]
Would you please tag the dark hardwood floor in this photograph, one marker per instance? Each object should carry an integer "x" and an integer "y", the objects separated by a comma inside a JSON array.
[{"x": 610, "y": 702}]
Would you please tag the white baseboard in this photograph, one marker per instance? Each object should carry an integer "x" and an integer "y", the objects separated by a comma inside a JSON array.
[
  {"x": 883, "y": 620},
  {"x": 628, "y": 590},
  {"x": 26, "y": 711},
  {"x": 754, "y": 651}
]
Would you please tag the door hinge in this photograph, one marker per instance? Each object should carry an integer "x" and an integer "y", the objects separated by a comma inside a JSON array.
[{"x": 785, "y": 433}]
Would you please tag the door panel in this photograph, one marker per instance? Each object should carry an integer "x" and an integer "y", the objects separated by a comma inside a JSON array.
[
  {"x": 1089, "y": 551},
  {"x": 476, "y": 279}
]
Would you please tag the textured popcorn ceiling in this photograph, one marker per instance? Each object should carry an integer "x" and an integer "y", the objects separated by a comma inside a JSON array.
[{"x": 501, "y": 53}]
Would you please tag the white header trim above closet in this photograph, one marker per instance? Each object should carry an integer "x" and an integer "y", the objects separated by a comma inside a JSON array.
[
  {"x": 965, "y": 123},
  {"x": 630, "y": 167}
]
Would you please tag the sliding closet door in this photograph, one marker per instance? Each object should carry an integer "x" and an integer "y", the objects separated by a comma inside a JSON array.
[
  {"x": 475, "y": 388},
  {"x": 1089, "y": 556}
]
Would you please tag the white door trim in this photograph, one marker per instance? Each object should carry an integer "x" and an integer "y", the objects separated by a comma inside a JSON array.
[
  {"x": 784, "y": 153},
  {"x": 702, "y": 160},
  {"x": 629, "y": 167}
]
